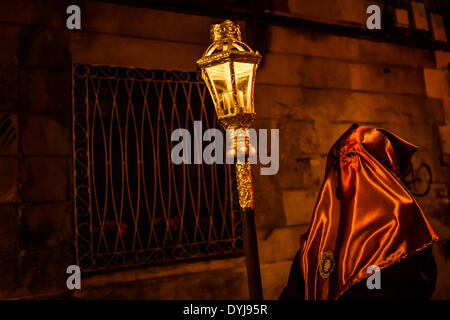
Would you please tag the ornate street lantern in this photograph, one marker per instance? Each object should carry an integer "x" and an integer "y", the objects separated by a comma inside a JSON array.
[{"x": 228, "y": 67}]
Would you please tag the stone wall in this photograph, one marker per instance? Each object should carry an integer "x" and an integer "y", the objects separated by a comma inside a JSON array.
[{"x": 311, "y": 85}]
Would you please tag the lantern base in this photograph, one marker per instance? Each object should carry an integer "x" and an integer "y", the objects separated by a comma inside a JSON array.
[{"x": 237, "y": 121}]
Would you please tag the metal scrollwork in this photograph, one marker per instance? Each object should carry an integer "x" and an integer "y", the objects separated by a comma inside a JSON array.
[{"x": 133, "y": 206}]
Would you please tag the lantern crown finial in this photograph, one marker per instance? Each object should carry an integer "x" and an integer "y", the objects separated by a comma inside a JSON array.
[{"x": 225, "y": 30}]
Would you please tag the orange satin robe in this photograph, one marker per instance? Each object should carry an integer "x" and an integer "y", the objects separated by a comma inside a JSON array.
[{"x": 364, "y": 215}]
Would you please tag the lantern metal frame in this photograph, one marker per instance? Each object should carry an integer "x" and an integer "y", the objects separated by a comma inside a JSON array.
[{"x": 227, "y": 47}]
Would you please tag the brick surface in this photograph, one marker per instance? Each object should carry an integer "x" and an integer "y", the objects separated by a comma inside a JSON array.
[
  {"x": 8, "y": 87},
  {"x": 274, "y": 278},
  {"x": 48, "y": 134},
  {"x": 9, "y": 132},
  {"x": 310, "y": 43},
  {"x": 135, "y": 52},
  {"x": 9, "y": 224},
  {"x": 419, "y": 15},
  {"x": 298, "y": 206},
  {"x": 444, "y": 133},
  {"x": 268, "y": 209},
  {"x": 279, "y": 244},
  {"x": 8, "y": 270},
  {"x": 46, "y": 178},
  {"x": 30, "y": 46},
  {"x": 437, "y": 23},
  {"x": 276, "y": 102},
  {"x": 437, "y": 83},
  {"x": 351, "y": 12},
  {"x": 401, "y": 18},
  {"x": 442, "y": 290},
  {"x": 442, "y": 59},
  {"x": 215, "y": 284},
  {"x": 47, "y": 226},
  {"x": 141, "y": 22},
  {"x": 46, "y": 90},
  {"x": 9, "y": 179},
  {"x": 324, "y": 73},
  {"x": 446, "y": 105},
  {"x": 298, "y": 141},
  {"x": 328, "y": 133},
  {"x": 45, "y": 271}
]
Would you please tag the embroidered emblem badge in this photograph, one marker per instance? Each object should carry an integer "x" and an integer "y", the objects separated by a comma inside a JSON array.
[{"x": 326, "y": 264}]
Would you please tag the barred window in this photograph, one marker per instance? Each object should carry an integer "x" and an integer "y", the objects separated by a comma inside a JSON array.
[{"x": 133, "y": 206}]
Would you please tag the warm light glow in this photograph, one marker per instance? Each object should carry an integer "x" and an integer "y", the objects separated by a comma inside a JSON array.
[
  {"x": 219, "y": 85},
  {"x": 244, "y": 81},
  {"x": 228, "y": 67},
  {"x": 229, "y": 100}
]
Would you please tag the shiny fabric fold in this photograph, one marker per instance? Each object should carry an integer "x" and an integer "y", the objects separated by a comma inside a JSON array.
[{"x": 364, "y": 215}]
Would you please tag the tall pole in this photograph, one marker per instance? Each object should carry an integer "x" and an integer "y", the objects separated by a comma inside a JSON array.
[
  {"x": 223, "y": 63},
  {"x": 245, "y": 190},
  {"x": 251, "y": 256}
]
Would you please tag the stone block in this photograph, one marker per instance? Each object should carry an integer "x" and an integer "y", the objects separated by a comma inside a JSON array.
[
  {"x": 328, "y": 133},
  {"x": 446, "y": 105},
  {"x": 148, "y": 23},
  {"x": 387, "y": 53},
  {"x": 9, "y": 228},
  {"x": 421, "y": 135},
  {"x": 336, "y": 106},
  {"x": 442, "y": 290},
  {"x": 11, "y": 38},
  {"x": 211, "y": 284},
  {"x": 442, "y": 59},
  {"x": 274, "y": 278},
  {"x": 103, "y": 49},
  {"x": 9, "y": 179},
  {"x": 28, "y": 46},
  {"x": 437, "y": 83},
  {"x": 437, "y": 23},
  {"x": 386, "y": 79},
  {"x": 275, "y": 102},
  {"x": 46, "y": 90},
  {"x": 298, "y": 206},
  {"x": 401, "y": 18},
  {"x": 279, "y": 244},
  {"x": 8, "y": 87},
  {"x": 32, "y": 13},
  {"x": 298, "y": 143},
  {"x": 316, "y": 173},
  {"x": 309, "y": 43},
  {"x": 263, "y": 183},
  {"x": 48, "y": 134},
  {"x": 46, "y": 178},
  {"x": 268, "y": 209},
  {"x": 8, "y": 269},
  {"x": 313, "y": 72},
  {"x": 297, "y": 138},
  {"x": 47, "y": 225},
  {"x": 444, "y": 133},
  {"x": 45, "y": 271},
  {"x": 345, "y": 12},
  {"x": 9, "y": 132},
  {"x": 419, "y": 16}
]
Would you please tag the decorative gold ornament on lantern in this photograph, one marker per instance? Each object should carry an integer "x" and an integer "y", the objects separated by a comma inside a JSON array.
[{"x": 228, "y": 68}]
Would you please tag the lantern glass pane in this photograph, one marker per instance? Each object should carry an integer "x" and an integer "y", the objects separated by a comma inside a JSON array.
[
  {"x": 244, "y": 85},
  {"x": 221, "y": 89}
]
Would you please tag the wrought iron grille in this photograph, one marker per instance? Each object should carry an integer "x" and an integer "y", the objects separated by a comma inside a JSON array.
[{"x": 133, "y": 206}]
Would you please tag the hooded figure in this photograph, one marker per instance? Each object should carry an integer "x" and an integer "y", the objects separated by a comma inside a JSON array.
[{"x": 365, "y": 220}]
